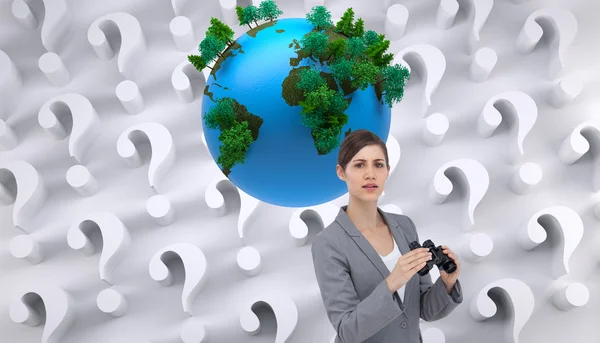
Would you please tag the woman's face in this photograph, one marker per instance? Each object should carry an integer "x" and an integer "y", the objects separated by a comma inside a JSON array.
[{"x": 366, "y": 173}]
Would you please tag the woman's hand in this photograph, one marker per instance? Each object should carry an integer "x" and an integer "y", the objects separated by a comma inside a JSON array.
[{"x": 450, "y": 279}]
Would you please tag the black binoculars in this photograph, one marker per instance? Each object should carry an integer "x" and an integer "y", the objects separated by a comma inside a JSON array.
[{"x": 438, "y": 258}]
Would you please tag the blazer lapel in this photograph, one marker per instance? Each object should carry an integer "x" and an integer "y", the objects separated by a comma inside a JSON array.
[{"x": 366, "y": 247}]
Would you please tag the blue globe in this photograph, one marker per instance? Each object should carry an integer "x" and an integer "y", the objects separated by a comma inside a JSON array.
[{"x": 282, "y": 165}]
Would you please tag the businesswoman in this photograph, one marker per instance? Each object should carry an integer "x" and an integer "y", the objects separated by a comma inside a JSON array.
[{"x": 366, "y": 272}]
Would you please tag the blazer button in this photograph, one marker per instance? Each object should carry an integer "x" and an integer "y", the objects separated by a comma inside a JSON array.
[{"x": 403, "y": 325}]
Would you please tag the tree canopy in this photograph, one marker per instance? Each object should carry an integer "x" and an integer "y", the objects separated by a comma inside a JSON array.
[
  {"x": 394, "y": 80},
  {"x": 220, "y": 30},
  {"x": 310, "y": 79},
  {"x": 315, "y": 43},
  {"x": 346, "y": 23},
  {"x": 320, "y": 17},
  {"x": 235, "y": 142},
  {"x": 268, "y": 10},
  {"x": 211, "y": 47},
  {"x": 250, "y": 14}
]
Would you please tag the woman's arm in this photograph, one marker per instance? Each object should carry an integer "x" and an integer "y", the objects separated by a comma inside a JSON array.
[
  {"x": 354, "y": 320},
  {"x": 436, "y": 303}
]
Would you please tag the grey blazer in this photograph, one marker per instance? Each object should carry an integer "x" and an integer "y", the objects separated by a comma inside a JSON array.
[{"x": 351, "y": 278}]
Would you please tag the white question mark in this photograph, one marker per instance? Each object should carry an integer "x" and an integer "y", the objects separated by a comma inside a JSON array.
[
  {"x": 564, "y": 221},
  {"x": 194, "y": 264},
  {"x": 563, "y": 26},
  {"x": 181, "y": 81},
  {"x": 163, "y": 153},
  {"x": 483, "y": 307},
  {"x": 86, "y": 122},
  {"x": 133, "y": 42},
  {"x": 11, "y": 84},
  {"x": 576, "y": 145},
  {"x": 59, "y": 306},
  {"x": 31, "y": 191},
  {"x": 448, "y": 9},
  {"x": 474, "y": 178},
  {"x": 431, "y": 65},
  {"x": 518, "y": 105},
  {"x": 284, "y": 308},
  {"x": 248, "y": 257},
  {"x": 115, "y": 238},
  {"x": 57, "y": 21}
]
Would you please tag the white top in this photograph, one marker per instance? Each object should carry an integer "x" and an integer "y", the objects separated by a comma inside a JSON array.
[{"x": 390, "y": 261}]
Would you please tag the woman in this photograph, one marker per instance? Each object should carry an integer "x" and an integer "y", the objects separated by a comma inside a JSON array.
[{"x": 366, "y": 272}]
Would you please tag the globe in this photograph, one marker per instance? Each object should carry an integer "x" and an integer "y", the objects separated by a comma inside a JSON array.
[{"x": 282, "y": 166}]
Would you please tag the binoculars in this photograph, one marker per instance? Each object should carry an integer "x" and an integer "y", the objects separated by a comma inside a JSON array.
[{"x": 438, "y": 258}]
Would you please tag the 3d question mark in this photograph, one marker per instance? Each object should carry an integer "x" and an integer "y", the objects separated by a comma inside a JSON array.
[
  {"x": 86, "y": 123},
  {"x": 431, "y": 65},
  {"x": 57, "y": 20},
  {"x": 473, "y": 177},
  {"x": 59, "y": 306},
  {"x": 133, "y": 42},
  {"x": 115, "y": 238},
  {"x": 194, "y": 264},
  {"x": 448, "y": 9},
  {"x": 162, "y": 150},
  {"x": 31, "y": 191},
  {"x": 284, "y": 308},
  {"x": 482, "y": 307},
  {"x": 11, "y": 85},
  {"x": 563, "y": 29},
  {"x": 248, "y": 257},
  {"x": 519, "y": 106},
  {"x": 181, "y": 79},
  {"x": 216, "y": 202},
  {"x": 560, "y": 219},
  {"x": 576, "y": 145}
]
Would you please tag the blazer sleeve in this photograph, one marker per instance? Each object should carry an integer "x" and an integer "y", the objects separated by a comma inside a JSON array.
[
  {"x": 436, "y": 303},
  {"x": 353, "y": 320}
]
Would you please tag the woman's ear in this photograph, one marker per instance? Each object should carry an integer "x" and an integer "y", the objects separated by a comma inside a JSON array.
[{"x": 340, "y": 172}]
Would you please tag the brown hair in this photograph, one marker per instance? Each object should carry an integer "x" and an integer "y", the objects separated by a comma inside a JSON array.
[{"x": 354, "y": 142}]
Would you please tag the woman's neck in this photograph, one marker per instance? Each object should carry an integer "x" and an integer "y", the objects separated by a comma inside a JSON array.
[{"x": 364, "y": 215}]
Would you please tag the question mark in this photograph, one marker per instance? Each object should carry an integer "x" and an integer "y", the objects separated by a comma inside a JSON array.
[
  {"x": 57, "y": 20},
  {"x": 86, "y": 129},
  {"x": 473, "y": 177},
  {"x": 162, "y": 155},
  {"x": 248, "y": 258},
  {"x": 562, "y": 26},
  {"x": 448, "y": 9},
  {"x": 482, "y": 307},
  {"x": 181, "y": 81},
  {"x": 560, "y": 219},
  {"x": 31, "y": 192},
  {"x": 86, "y": 122},
  {"x": 576, "y": 145},
  {"x": 284, "y": 308},
  {"x": 133, "y": 42},
  {"x": 59, "y": 308},
  {"x": 115, "y": 238},
  {"x": 11, "y": 84},
  {"x": 194, "y": 265},
  {"x": 431, "y": 65},
  {"x": 519, "y": 106}
]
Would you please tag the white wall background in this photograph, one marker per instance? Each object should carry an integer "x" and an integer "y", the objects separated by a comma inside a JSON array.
[{"x": 155, "y": 312}]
